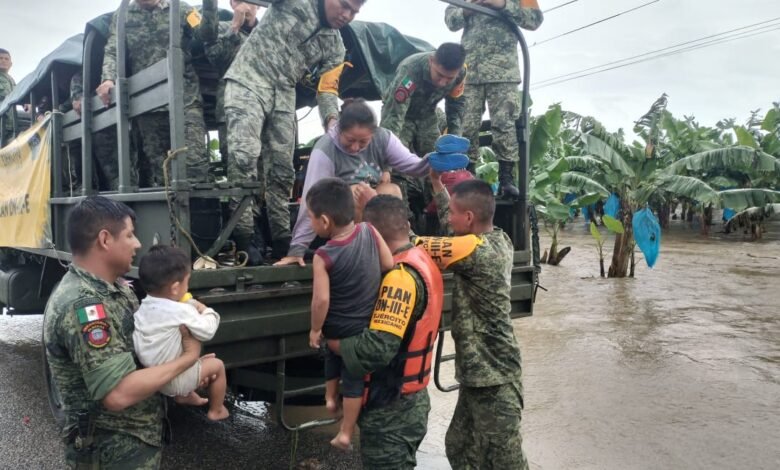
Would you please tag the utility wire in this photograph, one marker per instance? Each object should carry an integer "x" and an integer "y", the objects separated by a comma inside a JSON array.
[
  {"x": 559, "y": 6},
  {"x": 773, "y": 20},
  {"x": 714, "y": 42},
  {"x": 595, "y": 22}
]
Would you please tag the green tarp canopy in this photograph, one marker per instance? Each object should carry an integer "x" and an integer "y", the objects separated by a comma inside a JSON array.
[{"x": 374, "y": 49}]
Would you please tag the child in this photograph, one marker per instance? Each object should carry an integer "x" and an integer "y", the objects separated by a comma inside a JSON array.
[
  {"x": 347, "y": 275},
  {"x": 485, "y": 428},
  {"x": 164, "y": 273}
]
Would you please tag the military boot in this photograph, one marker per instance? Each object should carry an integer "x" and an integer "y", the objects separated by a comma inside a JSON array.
[
  {"x": 506, "y": 181},
  {"x": 246, "y": 244},
  {"x": 280, "y": 247}
]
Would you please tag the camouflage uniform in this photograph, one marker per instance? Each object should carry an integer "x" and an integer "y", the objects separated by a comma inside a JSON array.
[
  {"x": 485, "y": 429},
  {"x": 7, "y": 85},
  {"x": 494, "y": 73},
  {"x": 409, "y": 111},
  {"x": 290, "y": 42},
  {"x": 104, "y": 149},
  {"x": 221, "y": 46},
  {"x": 88, "y": 356},
  {"x": 392, "y": 426},
  {"x": 147, "y": 41}
]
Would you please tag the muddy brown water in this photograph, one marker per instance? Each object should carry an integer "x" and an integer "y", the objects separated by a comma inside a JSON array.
[{"x": 678, "y": 368}]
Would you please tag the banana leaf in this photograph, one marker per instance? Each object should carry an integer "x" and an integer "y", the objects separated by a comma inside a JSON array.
[
  {"x": 740, "y": 158},
  {"x": 603, "y": 151},
  {"x": 579, "y": 182},
  {"x": 741, "y": 199}
]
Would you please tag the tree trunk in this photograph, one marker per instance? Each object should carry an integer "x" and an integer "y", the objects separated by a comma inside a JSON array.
[
  {"x": 633, "y": 265},
  {"x": 601, "y": 266},
  {"x": 664, "y": 213},
  {"x": 554, "y": 246},
  {"x": 559, "y": 256},
  {"x": 621, "y": 254}
]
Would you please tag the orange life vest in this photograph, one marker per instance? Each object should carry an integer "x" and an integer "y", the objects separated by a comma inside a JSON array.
[{"x": 417, "y": 349}]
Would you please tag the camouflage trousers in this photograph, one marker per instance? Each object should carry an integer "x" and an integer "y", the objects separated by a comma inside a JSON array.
[
  {"x": 503, "y": 104},
  {"x": 485, "y": 429},
  {"x": 154, "y": 132},
  {"x": 106, "y": 165},
  {"x": 418, "y": 135},
  {"x": 390, "y": 436},
  {"x": 260, "y": 124},
  {"x": 116, "y": 451}
]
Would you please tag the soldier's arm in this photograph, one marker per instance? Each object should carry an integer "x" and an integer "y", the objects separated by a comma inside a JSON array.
[
  {"x": 143, "y": 383},
  {"x": 109, "y": 53},
  {"x": 328, "y": 87},
  {"x": 106, "y": 362},
  {"x": 396, "y": 100},
  {"x": 209, "y": 27},
  {"x": 221, "y": 52},
  {"x": 454, "y": 107},
  {"x": 454, "y": 18},
  {"x": 525, "y": 13}
]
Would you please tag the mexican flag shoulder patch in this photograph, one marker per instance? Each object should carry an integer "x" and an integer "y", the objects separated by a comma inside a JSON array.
[{"x": 90, "y": 313}]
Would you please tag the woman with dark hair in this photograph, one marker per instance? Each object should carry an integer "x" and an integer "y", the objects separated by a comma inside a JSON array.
[{"x": 357, "y": 151}]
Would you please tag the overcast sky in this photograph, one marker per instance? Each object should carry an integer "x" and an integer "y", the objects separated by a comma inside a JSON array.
[{"x": 725, "y": 80}]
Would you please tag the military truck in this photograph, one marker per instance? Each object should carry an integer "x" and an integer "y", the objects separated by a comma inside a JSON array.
[{"x": 263, "y": 336}]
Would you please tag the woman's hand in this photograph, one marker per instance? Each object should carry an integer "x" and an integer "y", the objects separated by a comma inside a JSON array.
[{"x": 289, "y": 260}]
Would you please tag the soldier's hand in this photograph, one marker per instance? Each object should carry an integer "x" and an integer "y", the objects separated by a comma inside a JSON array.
[
  {"x": 288, "y": 260},
  {"x": 436, "y": 185},
  {"x": 362, "y": 193},
  {"x": 77, "y": 106},
  {"x": 104, "y": 91},
  {"x": 239, "y": 16},
  {"x": 190, "y": 346},
  {"x": 494, "y": 4}
]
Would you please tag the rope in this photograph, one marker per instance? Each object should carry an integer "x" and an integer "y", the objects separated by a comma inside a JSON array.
[{"x": 171, "y": 155}]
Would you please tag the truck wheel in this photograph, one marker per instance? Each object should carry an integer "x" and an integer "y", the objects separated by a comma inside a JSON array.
[{"x": 53, "y": 393}]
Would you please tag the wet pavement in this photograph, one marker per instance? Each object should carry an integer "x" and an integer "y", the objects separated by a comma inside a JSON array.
[{"x": 678, "y": 368}]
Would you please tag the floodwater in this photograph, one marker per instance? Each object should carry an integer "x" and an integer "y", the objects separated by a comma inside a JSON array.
[{"x": 678, "y": 368}]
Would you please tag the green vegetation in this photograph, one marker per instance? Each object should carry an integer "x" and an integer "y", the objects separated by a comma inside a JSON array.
[{"x": 575, "y": 162}]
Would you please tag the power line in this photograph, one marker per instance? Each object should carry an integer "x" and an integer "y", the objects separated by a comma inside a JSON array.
[
  {"x": 743, "y": 35},
  {"x": 595, "y": 22},
  {"x": 773, "y": 20},
  {"x": 559, "y": 6}
]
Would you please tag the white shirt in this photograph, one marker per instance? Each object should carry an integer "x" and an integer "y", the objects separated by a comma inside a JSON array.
[{"x": 157, "y": 338}]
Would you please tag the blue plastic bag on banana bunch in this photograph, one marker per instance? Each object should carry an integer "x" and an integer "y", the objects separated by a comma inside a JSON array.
[
  {"x": 647, "y": 233},
  {"x": 612, "y": 206}
]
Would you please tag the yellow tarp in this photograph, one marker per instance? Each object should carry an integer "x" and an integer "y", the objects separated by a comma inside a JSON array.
[{"x": 25, "y": 188}]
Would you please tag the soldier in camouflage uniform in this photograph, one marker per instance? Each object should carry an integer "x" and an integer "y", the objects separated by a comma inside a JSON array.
[
  {"x": 494, "y": 75},
  {"x": 294, "y": 38},
  {"x": 7, "y": 84},
  {"x": 113, "y": 414},
  {"x": 409, "y": 107},
  {"x": 104, "y": 146},
  {"x": 392, "y": 425},
  {"x": 485, "y": 429},
  {"x": 147, "y": 43},
  {"x": 222, "y": 41}
]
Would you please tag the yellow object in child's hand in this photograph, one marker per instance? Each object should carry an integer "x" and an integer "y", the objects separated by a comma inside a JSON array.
[{"x": 186, "y": 297}]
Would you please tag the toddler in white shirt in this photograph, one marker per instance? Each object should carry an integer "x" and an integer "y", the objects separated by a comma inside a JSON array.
[{"x": 164, "y": 273}]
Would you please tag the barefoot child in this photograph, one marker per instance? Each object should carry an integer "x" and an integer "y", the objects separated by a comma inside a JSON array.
[
  {"x": 347, "y": 274},
  {"x": 164, "y": 273}
]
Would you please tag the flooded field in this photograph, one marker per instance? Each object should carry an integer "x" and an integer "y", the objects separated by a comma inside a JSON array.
[{"x": 678, "y": 368}]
